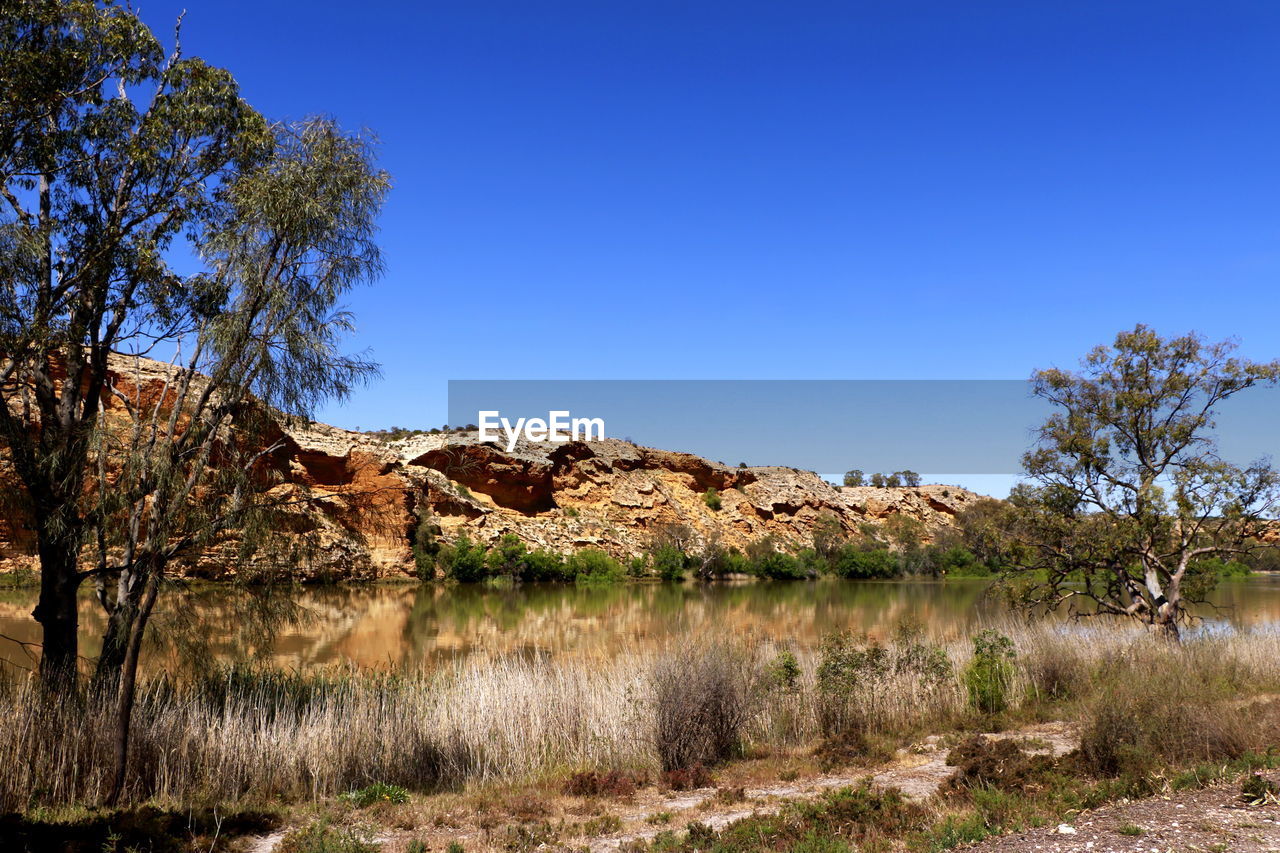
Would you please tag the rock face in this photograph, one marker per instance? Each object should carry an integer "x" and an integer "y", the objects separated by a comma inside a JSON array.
[
  {"x": 366, "y": 495},
  {"x": 606, "y": 494}
]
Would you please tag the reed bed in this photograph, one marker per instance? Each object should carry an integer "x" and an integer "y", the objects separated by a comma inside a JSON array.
[{"x": 253, "y": 735}]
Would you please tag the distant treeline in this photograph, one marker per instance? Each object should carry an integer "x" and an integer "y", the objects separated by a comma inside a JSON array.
[
  {"x": 882, "y": 481},
  {"x": 892, "y": 550}
]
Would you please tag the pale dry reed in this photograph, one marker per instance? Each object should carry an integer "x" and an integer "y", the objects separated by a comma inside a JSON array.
[{"x": 250, "y": 735}]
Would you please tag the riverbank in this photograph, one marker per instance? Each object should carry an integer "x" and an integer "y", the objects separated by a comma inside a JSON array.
[{"x": 473, "y": 740}]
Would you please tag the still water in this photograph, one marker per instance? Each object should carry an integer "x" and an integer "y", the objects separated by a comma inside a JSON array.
[{"x": 407, "y": 625}]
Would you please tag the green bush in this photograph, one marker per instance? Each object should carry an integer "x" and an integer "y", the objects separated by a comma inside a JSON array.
[
  {"x": 857, "y": 563},
  {"x": 507, "y": 557},
  {"x": 466, "y": 561},
  {"x": 776, "y": 565},
  {"x": 543, "y": 565},
  {"x": 989, "y": 675},
  {"x": 669, "y": 562},
  {"x": 378, "y": 792},
  {"x": 592, "y": 566},
  {"x": 784, "y": 671},
  {"x": 958, "y": 562},
  {"x": 712, "y": 499}
]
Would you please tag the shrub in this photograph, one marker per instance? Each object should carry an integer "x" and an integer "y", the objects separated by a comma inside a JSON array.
[
  {"x": 712, "y": 499},
  {"x": 864, "y": 687},
  {"x": 507, "y": 557},
  {"x": 542, "y": 565},
  {"x": 767, "y": 561},
  {"x": 957, "y": 561},
  {"x": 378, "y": 792},
  {"x": 703, "y": 698},
  {"x": 1135, "y": 726},
  {"x": 426, "y": 548},
  {"x": 687, "y": 779},
  {"x": 669, "y": 562},
  {"x": 320, "y": 837},
  {"x": 592, "y": 566},
  {"x": 466, "y": 563},
  {"x": 989, "y": 675},
  {"x": 784, "y": 671},
  {"x": 857, "y": 563},
  {"x": 994, "y": 762}
]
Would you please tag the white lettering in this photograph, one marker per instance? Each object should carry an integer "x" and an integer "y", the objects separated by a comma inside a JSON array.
[
  {"x": 587, "y": 424},
  {"x": 488, "y": 421},
  {"x": 535, "y": 429},
  {"x": 558, "y": 427}
]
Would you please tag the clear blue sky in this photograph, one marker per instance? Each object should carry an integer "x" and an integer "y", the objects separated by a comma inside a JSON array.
[{"x": 612, "y": 189}]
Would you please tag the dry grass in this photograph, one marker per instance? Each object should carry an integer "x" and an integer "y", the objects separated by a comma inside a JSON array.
[{"x": 248, "y": 736}]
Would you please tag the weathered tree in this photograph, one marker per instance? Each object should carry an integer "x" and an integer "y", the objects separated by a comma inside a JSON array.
[
  {"x": 1128, "y": 495},
  {"x": 95, "y": 189},
  {"x": 112, "y": 155}
]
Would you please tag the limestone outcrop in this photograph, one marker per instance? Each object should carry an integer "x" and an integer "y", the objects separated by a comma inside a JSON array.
[{"x": 365, "y": 496}]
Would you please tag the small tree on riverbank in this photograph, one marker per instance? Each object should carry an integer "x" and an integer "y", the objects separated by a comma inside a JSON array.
[{"x": 1128, "y": 492}]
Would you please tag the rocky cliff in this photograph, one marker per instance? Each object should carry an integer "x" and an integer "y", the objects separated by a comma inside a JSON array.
[{"x": 365, "y": 496}]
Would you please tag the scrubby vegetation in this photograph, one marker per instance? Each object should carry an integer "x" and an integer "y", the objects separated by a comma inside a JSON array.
[{"x": 244, "y": 735}]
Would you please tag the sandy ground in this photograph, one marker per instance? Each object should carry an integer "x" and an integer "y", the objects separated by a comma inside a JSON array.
[{"x": 1212, "y": 820}]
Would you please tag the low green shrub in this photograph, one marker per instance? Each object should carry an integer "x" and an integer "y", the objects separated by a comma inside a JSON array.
[
  {"x": 378, "y": 792},
  {"x": 712, "y": 499},
  {"x": 989, "y": 675},
  {"x": 591, "y": 566},
  {"x": 857, "y": 563},
  {"x": 668, "y": 562}
]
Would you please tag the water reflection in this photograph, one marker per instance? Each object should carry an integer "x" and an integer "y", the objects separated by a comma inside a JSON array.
[{"x": 392, "y": 626}]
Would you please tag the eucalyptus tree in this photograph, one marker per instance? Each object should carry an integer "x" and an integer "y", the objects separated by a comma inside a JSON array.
[
  {"x": 115, "y": 159},
  {"x": 1128, "y": 494}
]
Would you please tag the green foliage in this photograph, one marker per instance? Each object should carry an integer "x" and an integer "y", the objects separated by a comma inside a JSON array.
[
  {"x": 542, "y": 565},
  {"x": 712, "y": 499},
  {"x": 989, "y": 675},
  {"x": 854, "y": 478},
  {"x": 466, "y": 561},
  {"x": 858, "y": 563},
  {"x": 957, "y": 561},
  {"x": 784, "y": 671},
  {"x": 426, "y": 547},
  {"x": 507, "y": 557},
  {"x": 776, "y": 565},
  {"x": 1127, "y": 478},
  {"x": 594, "y": 567},
  {"x": 378, "y": 792},
  {"x": 669, "y": 562}
]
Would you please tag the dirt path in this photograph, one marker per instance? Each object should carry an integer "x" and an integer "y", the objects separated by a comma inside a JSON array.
[{"x": 1211, "y": 820}]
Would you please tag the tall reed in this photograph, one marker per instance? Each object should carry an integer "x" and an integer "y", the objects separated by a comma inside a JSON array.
[{"x": 244, "y": 734}]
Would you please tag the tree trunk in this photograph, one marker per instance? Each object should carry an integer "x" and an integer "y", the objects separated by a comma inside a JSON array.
[
  {"x": 128, "y": 680},
  {"x": 1165, "y": 620},
  {"x": 57, "y": 613},
  {"x": 115, "y": 646}
]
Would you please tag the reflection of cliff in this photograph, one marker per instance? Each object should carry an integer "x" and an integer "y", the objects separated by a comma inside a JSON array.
[
  {"x": 431, "y": 625},
  {"x": 364, "y": 495}
]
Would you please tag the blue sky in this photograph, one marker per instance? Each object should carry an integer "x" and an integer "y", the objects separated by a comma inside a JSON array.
[{"x": 783, "y": 190}]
